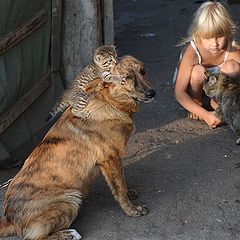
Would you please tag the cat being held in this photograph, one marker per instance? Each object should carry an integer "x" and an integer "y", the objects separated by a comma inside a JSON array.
[{"x": 226, "y": 92}]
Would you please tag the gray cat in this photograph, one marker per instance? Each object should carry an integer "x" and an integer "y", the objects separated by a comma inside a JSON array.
[{"x": 226, "y": 92}]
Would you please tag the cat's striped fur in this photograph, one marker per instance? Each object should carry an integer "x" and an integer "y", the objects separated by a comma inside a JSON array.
[{"x": 104, "y": 60}]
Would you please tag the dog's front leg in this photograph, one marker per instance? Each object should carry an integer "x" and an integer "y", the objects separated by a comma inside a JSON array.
[{"x": 113, "y": 173}]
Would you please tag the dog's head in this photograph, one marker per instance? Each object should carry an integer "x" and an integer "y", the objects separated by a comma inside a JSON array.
[
  {"x": 215, "y": 84},
  {"x": 134, "y": 89}
]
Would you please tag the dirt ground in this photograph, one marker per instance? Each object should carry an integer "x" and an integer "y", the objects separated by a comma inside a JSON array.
[{"x": 187, "y": 174}]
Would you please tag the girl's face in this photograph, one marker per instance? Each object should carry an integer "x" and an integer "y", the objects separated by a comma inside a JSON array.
[{"x": 214, "y": 45}]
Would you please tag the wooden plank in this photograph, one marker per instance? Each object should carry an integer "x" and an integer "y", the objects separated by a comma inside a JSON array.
[
  {"x": 11, "y": 39},
  {"x": 8, "y": 117},
  {"x": 108, "y": 22},
  {"x": 56, "y": 37}
]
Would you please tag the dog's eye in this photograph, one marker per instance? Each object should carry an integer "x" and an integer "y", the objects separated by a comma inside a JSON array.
[
  {"x": 142, "y": 71},
  {"x": 131, "y": 77}
]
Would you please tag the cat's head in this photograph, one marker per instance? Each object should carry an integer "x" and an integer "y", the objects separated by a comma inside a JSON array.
[
  {"x": 215, "y": 84},
  {"x": 105, "y": 57}
]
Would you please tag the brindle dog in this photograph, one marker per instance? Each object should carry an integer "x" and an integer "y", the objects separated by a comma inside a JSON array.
[
  {"x": 43, "y": 199},
  {"x": 226, "y": 92}
]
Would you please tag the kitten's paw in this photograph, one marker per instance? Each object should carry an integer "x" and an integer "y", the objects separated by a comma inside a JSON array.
[{"x": 123, "y": 79}]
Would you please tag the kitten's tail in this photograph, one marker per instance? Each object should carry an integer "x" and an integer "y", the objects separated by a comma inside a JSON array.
[
  {"x": 58, "y": 109},
  {"x": 54, "y": 113},
  {"x": 49, "y": 117},
  {"x": 6, "y": 228}
]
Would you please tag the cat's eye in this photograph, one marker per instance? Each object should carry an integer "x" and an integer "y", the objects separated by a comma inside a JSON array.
[
  {"x": 109, "y": 61},
  {"x": 130, "y": 77}
]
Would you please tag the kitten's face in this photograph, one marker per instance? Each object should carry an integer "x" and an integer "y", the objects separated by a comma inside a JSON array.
[
  {"x": 105, "y": 57},
  {"x": 214, "y": 85}
]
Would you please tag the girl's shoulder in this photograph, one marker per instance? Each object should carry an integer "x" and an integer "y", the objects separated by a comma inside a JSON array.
[
  {"x": 234, "y": 49},
  {"x": 234, "y": 54},
  {"x": 189, "y": 54}
]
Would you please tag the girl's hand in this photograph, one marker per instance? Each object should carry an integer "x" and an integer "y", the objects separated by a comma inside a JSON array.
[{"x": 211, "y": 119}]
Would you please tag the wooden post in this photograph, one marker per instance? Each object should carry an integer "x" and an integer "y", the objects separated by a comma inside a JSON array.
[
  {"x": 108, "y": 22},
  {"x": 82, "y": 33}
]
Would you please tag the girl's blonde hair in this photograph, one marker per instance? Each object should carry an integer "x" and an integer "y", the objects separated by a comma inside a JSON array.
[{"x": 211, "y": 20}]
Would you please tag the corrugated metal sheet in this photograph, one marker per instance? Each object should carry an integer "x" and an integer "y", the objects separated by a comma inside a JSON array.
[{"x": 21, "y": 68}]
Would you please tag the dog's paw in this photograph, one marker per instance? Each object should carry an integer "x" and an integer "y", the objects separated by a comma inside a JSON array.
[
  {"x": 69, "y": 234},
  {"x": 132, "y": 194},
  {"x": 138, "y": 211}
]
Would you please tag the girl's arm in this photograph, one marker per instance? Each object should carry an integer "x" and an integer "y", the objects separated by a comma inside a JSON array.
[{"x": 182, "y": 86}]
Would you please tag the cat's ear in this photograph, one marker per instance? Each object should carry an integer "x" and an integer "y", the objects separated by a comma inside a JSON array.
[
  {"x": 114, "y": 47},
  {"x": 94, "y": 86},
  {"x": 98, "y": 58},
  {"x": 212, "y": 80}
]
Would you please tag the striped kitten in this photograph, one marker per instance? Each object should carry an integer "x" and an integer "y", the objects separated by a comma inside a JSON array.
[{"x": 104, "y": 60}]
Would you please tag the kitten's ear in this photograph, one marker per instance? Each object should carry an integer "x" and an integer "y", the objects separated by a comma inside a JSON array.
[
  {"x": 94, "y": 85},
  {"x": 98, "y": 58},
  {"x": 212, "y": 80}
]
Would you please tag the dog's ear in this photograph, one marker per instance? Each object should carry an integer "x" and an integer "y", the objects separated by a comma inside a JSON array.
[{"x": 95, "y": 85}]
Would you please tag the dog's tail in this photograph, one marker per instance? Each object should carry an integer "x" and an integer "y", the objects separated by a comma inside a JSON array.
[{"x": 6, "y": 228}]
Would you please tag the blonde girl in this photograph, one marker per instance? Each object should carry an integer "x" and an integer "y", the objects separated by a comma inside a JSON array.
[{"x": 210, "y": 46}]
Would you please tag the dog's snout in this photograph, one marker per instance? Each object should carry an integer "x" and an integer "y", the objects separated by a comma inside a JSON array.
[{"x": 150, "y": 93}]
